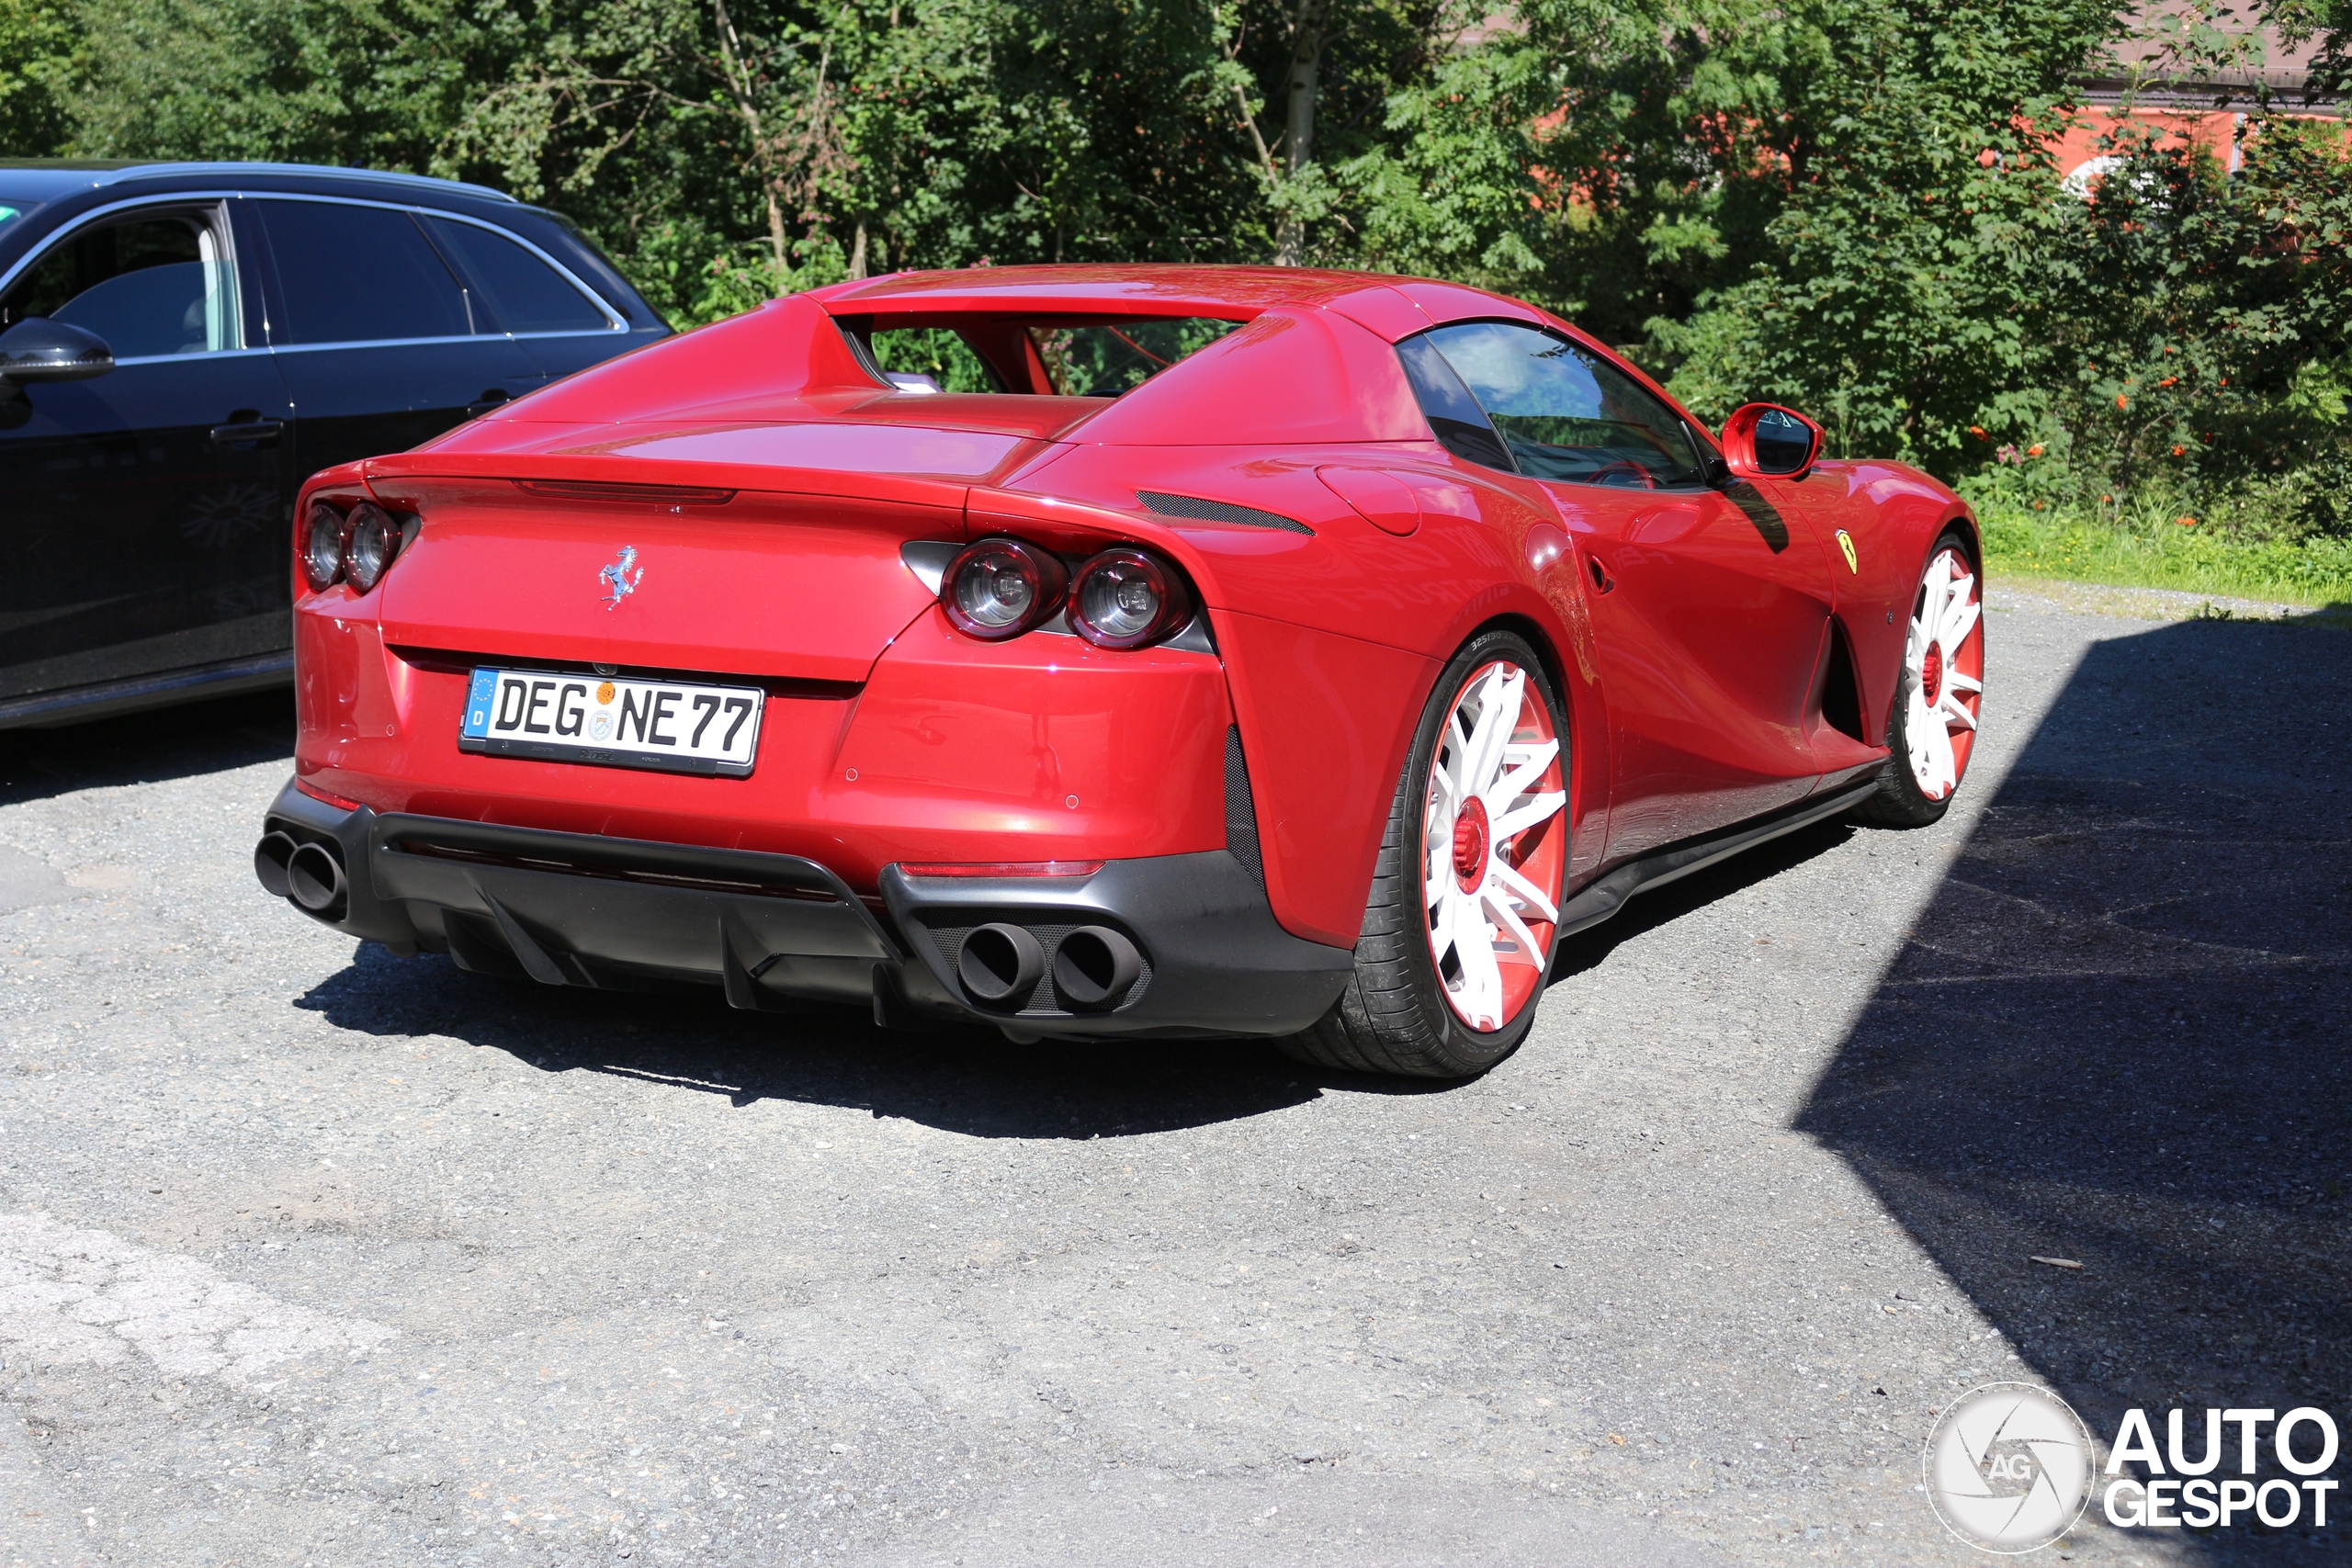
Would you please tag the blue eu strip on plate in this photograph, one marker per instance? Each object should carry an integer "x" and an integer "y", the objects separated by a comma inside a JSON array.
[{"x": 478, "y": 703}]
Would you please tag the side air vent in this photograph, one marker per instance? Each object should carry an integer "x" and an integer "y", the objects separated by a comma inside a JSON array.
[
  {"x": 1241, "y": 812},
  {"x": 1201, "y": 510},
  {"x": 1841, "y": 703}
]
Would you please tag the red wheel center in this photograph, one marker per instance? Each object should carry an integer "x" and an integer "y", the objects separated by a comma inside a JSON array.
[
  {"x": 1471, "y": 839},
  {"x": 1931, "y": 674}
]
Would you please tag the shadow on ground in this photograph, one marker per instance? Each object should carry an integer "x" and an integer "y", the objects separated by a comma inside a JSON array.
[
  {"x": 2121, "y": 1034},
  {"x": 144, "y": 748},
  {"x": 963, "y": 1080}
]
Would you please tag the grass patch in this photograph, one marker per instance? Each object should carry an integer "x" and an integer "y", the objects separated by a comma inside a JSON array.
[{"x": 2146, "y": 549}]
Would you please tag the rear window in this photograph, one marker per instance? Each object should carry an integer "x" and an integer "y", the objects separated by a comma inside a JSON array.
[
  {"x": 525, "y": 293},
  {"x": 1053, "y": 357}
]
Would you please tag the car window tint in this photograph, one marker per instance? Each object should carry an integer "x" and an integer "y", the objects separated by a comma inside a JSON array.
[
  {"x": 360, "y": 274},
  {"x": 1454, "y": 416},
  {"x": 525, "y": 293},
  {"x": 1565, "y": 414},
  {"x": 148, "y": 286}
]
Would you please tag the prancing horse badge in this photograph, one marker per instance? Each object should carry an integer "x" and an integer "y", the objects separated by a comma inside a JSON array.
[
  {"x": 620, "y": 581},
  {"x": 1845, "y": 542}
]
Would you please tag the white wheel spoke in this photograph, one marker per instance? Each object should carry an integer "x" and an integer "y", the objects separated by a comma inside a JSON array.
[
  {"x": 1518, "y": 820},
  {"x": 1960, "y": 683},
  {"x": 1954, "y": 715},
  {"x": 1941, "y": 765},
  {"x": 1957, "y": 626},
  {"x": 1508, "y": 917},
  {"x": 1521, "y": 778},
  {"x": 1474, "y": 948},
  {"x": 1526, "y": 892},
  {"x": 1498, "y": 699}
]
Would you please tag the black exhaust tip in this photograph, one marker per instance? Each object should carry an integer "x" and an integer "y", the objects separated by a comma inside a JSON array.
[
  {"x": 269, "y": 862},
  {"x": 315, "y": 880},
  {"x": 1001, "y": 963},
  {"x": 1095, "y": 968}
]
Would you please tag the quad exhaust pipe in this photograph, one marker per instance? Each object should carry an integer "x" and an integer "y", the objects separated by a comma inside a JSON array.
[
  {"x": 308, "y": 873},
  {"x": 1094, "y": 966}
]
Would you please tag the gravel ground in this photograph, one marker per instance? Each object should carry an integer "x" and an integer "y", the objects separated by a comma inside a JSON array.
[{"x": 310, "y": 1255}]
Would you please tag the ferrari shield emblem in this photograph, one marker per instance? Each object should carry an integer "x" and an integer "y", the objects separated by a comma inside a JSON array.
[{"x": 1846, "y": 543}]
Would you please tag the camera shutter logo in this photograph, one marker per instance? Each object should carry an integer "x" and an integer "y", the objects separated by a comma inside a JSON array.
[{"x": 2008, "y": 1467}]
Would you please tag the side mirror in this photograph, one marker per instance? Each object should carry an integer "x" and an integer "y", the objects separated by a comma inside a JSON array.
[
  {"x": 38, "y": 349},
  {"x": 1767, "y": 441}
]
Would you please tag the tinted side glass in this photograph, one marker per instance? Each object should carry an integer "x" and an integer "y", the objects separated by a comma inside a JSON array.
[
  {"x": 360, "y": 274},
  {"x": 1565, "y": 413},
  {"x": 152, "y": 285},
  {"x": 1454, "y": 416},
  {"x": 525, "y": 293}
]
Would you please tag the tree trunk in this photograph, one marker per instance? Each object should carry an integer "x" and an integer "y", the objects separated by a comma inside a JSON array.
[
  {"x": 1305, "y": 65},
  {"x": 857, "y": 251}
]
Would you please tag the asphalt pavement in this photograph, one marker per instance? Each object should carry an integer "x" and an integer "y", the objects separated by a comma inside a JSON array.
[{"x": 310, "y": 1255}]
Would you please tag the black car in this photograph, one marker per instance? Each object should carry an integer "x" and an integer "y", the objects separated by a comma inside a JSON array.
[{"x": 182, "y": 344}]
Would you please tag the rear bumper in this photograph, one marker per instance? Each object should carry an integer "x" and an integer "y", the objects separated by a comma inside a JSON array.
[{"x": 771, "y": 932}]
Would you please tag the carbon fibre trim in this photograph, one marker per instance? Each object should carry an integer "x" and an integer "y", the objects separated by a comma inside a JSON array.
[{"x": 1203, "y": 511}]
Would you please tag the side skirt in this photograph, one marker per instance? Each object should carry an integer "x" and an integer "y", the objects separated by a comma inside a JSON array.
[{"x": 1604, "y": 898}]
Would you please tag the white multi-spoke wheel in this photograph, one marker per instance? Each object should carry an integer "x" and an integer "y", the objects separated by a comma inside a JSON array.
[
  {"x": 1466, "y": 896},
  {"x": 1933, "y": 727}
]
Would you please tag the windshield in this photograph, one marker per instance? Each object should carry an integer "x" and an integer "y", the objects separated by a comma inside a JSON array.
[{"x": 1056, "y": 357}]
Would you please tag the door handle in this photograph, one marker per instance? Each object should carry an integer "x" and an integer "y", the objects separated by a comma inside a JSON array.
[
  {"x": 491, "y": 398},
  {"x": 245, "y": 430}
]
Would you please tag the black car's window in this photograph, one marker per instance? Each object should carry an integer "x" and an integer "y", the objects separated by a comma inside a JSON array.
[
  {"x": 152, "y": 285},
  {"x": 360, "y": 274},
  {"x": 1567, "y": 415},
  {"x": 525, "y": 293}
]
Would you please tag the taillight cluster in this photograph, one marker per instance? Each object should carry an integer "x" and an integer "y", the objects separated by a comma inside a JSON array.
[
  {"x": 1120, "y": 598},
  {"x": 355, "y": 546}
]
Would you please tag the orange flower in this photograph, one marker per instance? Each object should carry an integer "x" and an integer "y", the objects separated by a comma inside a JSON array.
[
  {"x": 2106, "y": 497},
  {"x": 2225, "y": 380},
  {"x": 2121, "y": 401},
  {"x": 2179, "y": 450},
  {"x": 1977, "y": 431},
  {"x": 2034, "y": 450},
  {"x": 2167, "y": 381},
  {"x": 2186, "y": 522}
]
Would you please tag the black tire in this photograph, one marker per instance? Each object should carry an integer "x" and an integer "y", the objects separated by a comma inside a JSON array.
[
  {"x": 1899, "y": 801},
  {"x": 1393, "y": 1017}
]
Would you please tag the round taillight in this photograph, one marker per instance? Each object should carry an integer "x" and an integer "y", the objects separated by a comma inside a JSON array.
[
  {"x": 375, "y": 540},
  {"x": 1126, "y": 599},
  {"x": 323, "y": 547},
  {"x": 1000, "y": 588}
]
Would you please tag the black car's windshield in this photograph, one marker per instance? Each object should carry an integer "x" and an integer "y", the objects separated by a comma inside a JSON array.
[{"x": 1070, "y": 358}]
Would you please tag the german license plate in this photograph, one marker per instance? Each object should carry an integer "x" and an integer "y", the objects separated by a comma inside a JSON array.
[{"x": 668, "y": 726}]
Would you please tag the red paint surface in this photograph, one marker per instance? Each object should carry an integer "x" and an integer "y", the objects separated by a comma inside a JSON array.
[{"x": 1689, "y": 683}]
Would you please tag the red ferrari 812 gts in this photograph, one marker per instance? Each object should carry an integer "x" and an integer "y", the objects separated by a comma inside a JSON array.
[{"x": 1099, "y": 653}]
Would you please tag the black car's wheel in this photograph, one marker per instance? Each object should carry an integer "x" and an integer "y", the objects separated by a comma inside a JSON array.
[
  {"x": 1933, "y": 729},
  {"x": 1466, "y": 896}
]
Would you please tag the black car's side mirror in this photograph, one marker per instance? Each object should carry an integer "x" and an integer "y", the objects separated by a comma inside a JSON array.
[
  {"x": 1768, "y": 441},
  {"x": 38, "y": 349}
]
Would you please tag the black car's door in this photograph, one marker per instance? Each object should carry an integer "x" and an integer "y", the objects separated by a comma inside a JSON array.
[
  {"x": 381, "y": 345},
  {"x": 142, "y": 513}
]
